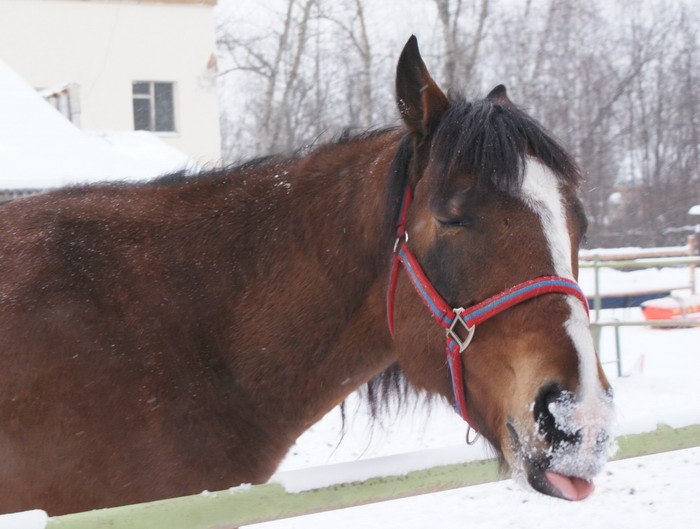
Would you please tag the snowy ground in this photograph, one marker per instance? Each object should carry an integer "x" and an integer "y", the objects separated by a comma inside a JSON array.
[
  {"x": 624, "y": 283},
  {"x": 644, "y": 493},
  {"x": 660, "y": 386}
]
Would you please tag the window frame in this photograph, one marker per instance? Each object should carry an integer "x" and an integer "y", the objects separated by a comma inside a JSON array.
[{"x": 151, "y": 98}]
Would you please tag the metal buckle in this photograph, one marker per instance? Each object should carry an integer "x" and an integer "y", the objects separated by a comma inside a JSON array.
[
  {"x": 452, "y": 334},
  {"x": 398, "y": 239}
]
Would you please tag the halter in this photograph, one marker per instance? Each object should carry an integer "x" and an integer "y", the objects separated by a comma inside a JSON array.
[{"x": 460, "y": 323}]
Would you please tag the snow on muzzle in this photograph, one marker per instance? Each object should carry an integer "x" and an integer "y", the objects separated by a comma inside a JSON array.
[{"x": 572, "y": 443}]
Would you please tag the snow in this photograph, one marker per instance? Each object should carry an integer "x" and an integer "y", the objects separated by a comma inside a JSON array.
[
  {"x": 41, "y": 149},
  {"x": 695, "y": 210},
  {"x": 587, "y": 458},
  {"x": 240, "y": 488},
  {"x": 614, "y": 281},
  {"x": 24, "y": 520}
]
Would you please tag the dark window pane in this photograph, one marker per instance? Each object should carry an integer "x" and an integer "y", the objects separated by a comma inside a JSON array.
[
  {"x": 141, "y": 88},
  {"x": 142, "y": 114},
  {"x": 165, "y": 119}
]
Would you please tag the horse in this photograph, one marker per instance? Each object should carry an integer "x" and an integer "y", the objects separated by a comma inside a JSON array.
[{"x": 162, "y": 338}]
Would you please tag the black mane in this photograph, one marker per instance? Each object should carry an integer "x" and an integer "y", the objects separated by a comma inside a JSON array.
[
  {"x": 183, "y": 176},
  {"x": 490, "y": 141}
]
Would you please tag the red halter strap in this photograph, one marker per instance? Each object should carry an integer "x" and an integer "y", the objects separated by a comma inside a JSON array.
[{"x": 460, "y": 323}]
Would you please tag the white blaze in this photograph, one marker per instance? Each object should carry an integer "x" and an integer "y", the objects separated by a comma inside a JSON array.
[
  {"x": 542, "y": 195},
  {"x": 590, "y": 413}
]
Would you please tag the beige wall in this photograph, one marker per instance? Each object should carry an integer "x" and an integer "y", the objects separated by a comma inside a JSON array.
[{"x": 104, "y": 45}]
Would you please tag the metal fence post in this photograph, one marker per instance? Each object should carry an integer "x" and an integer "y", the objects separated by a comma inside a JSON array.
[
  {"x": 597, "y": 303},
  {"x": 618, "y": 352}
]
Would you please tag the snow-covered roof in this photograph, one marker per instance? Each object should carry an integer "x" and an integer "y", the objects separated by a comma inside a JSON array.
[{"x": 41, "y": 149}]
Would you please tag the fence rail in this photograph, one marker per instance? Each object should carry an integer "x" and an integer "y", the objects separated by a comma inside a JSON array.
[
  {"x": 670, "y": 324},
  {"x": 594, "y": 261},
  {"x": 635, "y": 253},
  {"x": 254, "y": 504},
  {"x": 690, "y": 261},
  {"x": 650, "y": 262}
]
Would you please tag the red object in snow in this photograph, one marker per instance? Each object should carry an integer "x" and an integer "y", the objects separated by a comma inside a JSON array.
[{"x": 672, "y": 308}]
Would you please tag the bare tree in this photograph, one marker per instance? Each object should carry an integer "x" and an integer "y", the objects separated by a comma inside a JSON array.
[
  {"x": 661, "y": 178},
  {"x": 278, "y": 75},
  {"x": 460, "y": 51},
  {"x": 619, "y": 90},
  {"x": 349, "y": 17}
]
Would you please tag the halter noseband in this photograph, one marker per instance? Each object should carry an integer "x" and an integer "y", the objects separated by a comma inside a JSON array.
[{"x": 460, "y": 323}]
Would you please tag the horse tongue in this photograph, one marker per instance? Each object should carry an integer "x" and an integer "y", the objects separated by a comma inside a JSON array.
[{"x": 571, "y": 488}]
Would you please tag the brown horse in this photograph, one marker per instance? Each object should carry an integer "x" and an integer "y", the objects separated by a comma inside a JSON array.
[{"x": 179, "y": 335}]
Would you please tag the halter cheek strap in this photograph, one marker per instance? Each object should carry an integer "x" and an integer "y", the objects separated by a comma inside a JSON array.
[{"x": 460, "y": 323}]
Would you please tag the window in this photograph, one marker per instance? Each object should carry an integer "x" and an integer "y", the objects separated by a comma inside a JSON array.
[
  {"x": 66, "y": 99},
  {"x": 153, "y": 106}
]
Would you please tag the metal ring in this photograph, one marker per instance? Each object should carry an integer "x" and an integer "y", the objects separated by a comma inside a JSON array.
[{"x": 398, "y": 239}]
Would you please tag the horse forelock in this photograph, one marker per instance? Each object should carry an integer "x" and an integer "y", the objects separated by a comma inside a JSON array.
[{"x": 490, "y": 142}]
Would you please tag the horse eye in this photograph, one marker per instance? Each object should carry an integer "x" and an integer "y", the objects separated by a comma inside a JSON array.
[{"x": 464, "y": 222}]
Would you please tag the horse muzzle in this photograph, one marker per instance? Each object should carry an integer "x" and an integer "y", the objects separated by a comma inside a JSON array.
[{"x": 566, "y": 446}]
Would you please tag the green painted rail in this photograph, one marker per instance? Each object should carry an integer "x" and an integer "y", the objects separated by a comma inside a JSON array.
[
  {"x": 242, "y": 506},
  {"x": 671, "y": 324},
  {"x": 651, "y": 262}
]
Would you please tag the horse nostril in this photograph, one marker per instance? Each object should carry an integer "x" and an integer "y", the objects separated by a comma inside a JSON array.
[
  {"x": 542, "y": 414},
  {"x": 546, "y": 420},
  {"x": 547, "y": 395}
]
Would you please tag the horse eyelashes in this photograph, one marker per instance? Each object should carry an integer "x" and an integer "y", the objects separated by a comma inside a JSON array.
[{"x": 461, "y": 222}]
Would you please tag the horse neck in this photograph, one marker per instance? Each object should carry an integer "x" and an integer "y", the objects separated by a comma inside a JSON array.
[{"x": 316, "y": 279}]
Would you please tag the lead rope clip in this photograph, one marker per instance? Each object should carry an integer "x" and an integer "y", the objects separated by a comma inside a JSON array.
[{"x": 476, "y": 437}]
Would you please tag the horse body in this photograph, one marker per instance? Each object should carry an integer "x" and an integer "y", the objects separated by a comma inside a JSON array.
[
  {"x": 202, "y": 317},
  {"x": 161, "y": 339}
]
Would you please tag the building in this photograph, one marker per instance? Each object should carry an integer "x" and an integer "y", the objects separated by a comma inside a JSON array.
[
  {"x": 40, "y": 149},
  {"x": 121, "y": 65}
]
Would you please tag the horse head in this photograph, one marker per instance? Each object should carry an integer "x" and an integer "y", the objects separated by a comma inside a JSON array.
[{"x": 494, "y": 204}]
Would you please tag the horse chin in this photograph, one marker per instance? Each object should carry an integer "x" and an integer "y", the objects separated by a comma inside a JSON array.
[
  {"x": 535, "y": 476},
  {"x": 564, "y": 472}
]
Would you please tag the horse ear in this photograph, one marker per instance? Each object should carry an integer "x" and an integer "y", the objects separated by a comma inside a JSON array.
[
  {"x": 420, "y": 100},
  {"x": 499, "y": 95}
]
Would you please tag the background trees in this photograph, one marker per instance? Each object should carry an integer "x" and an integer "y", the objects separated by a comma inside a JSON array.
[{"x": 616, "y": 82}]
